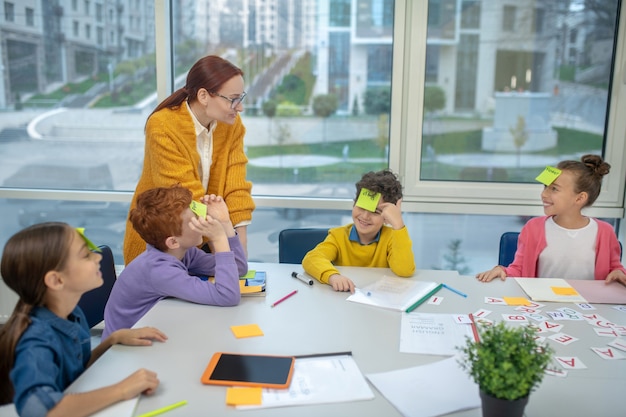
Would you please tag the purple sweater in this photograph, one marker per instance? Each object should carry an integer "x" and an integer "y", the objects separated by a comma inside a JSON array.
[
  {"x": 155, "y": 275},
  {"x": 532, "y": 241}
]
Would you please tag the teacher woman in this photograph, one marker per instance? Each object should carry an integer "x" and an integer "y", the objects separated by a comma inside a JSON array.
[{"x": 195, "y": 138}]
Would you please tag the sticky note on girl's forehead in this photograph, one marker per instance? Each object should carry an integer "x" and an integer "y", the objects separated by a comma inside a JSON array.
[
  {"x": 548, "y": 175},
  {"x": 198, "y": 208},
  {"x": 368, "y": 200},
  {"x": 90, "y": 244}
]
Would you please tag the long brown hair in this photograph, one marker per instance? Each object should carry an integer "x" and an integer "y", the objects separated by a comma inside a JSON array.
[
  {"x": 27, "y": 257},
  {"x": 210, "y": 72}
]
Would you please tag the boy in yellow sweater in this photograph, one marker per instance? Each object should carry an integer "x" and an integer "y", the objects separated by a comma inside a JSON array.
[{"x": 378, "y": 237}]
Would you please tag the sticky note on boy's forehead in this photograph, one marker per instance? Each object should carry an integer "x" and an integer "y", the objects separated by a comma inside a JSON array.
[
  {"x": 368, "y": 200},
  {"x": 198, "y": 208},
  {"x": 548, "y": 175},
  {"x": 90, "y": 244}
]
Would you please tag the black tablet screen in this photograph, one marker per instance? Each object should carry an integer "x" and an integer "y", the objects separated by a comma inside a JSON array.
[{"x": 251, "y": 368}]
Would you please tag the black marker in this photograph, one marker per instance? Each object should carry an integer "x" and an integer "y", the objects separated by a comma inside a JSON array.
[{"x": 302, "y": 278}]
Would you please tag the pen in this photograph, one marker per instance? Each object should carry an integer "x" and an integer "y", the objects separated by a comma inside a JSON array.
[
  {"x": 284, "y": 298},
  {"x": 454, "y": 290},
  {"x": 424, "y": 298},
  {"x": 164, "y": 409},
  {"x": 302, "y": 278}
]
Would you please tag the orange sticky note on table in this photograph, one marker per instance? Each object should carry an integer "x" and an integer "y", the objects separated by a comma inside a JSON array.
[
  {"x": 244, "y": 395},
  {"x": 564, "y": 291},
  {"x": 246, "y": 330},
  {"x": 516, "y": 301}
]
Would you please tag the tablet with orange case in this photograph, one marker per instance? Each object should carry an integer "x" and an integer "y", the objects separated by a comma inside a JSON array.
[{"x": 237, "y": 369}]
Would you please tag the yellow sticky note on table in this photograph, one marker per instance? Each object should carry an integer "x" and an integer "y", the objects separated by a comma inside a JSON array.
[
  {"x": 246, "y": 330},
  {"x": 564, "y": 291},
  {"x": 244, "y": 395},
  {"x": 368, "y": 200},
  {"x": 245, "y": 289},
  {"x": 516, "y": 301},
  {"x": 548, "y": 175},
  {"x": 198, "y": 208}
]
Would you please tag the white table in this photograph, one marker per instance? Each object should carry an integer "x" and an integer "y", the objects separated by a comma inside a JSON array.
[{"x": 319, "y": 320}]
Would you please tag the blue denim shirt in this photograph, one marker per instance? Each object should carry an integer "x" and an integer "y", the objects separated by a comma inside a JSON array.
[{"x": 49, "y": 356}]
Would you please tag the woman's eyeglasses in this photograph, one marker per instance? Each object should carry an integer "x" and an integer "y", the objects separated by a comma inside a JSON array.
[{"x": 234, "y": 102}]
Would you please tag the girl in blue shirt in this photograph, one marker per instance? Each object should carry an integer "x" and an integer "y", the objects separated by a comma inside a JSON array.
[{"x": 45, "y": 344}]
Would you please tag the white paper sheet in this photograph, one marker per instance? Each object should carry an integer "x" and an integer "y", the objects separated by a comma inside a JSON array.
[
  {"x": 429, "y": 390},
  {"x": 319, "y": 380},
  {"x": 393, "y": 293},
  {"x": 432, "y": 334},
  {"x": 540, "y": 289}
]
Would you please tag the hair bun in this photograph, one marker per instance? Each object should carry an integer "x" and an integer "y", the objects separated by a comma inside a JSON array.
[{"x": 596, "y": 164}]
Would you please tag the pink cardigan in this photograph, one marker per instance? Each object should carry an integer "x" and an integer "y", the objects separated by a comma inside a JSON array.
[{"x": 532, "y": 240}]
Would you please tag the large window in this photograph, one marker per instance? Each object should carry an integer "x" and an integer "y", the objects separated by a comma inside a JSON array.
[
  {"x": 466, "y": 100},
  {"x": 504, "y": 105}
]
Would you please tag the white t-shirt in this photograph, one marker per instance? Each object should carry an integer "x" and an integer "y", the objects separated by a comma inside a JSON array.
[{"x": 570, "y": 253}]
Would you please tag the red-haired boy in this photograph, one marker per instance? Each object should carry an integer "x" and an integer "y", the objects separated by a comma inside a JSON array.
[{"x": 172, "y": 262}]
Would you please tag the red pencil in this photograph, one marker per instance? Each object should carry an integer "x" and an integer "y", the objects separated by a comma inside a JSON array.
[
  {"x": 284, "y": 298},
  {"x": 474, "y": 329}
]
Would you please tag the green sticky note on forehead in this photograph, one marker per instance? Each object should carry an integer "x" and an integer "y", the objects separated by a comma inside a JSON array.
[
  {"x": 548, "y": 175},
  {"x": 90, "y": 244},
  {"x": 368, "y": 200},
  {"x": 198, "y": 208}
]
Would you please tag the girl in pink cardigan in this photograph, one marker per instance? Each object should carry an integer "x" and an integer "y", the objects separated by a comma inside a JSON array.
[{"x": 565, "y": 243}]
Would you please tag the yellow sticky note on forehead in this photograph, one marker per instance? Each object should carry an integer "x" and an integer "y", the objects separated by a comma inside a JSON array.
[
  {"x": 548, "y": 175},
  {"x": 198, "y": 208},
  {"x": 368, "y": 200},
  {"x": 90, "y": 244}
]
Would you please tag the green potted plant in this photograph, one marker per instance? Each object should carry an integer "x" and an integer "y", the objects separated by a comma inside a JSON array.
[{"x": 508, "y": 363}]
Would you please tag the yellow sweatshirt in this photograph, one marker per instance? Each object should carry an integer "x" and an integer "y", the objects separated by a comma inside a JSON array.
[
  {"x": 393, "y": 250},
  {"x": 171, "y": 157}
]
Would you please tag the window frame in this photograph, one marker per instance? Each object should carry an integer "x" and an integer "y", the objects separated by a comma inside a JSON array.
[{"x": 409, "y": 54}]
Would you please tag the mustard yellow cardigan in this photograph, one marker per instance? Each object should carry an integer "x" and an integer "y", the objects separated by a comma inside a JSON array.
[{"x": 171, "y": 157}]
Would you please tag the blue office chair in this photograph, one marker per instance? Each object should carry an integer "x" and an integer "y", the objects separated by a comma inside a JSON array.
[
  {"x": 508, "y": 247},
  {"x": 293, "y": 244},
  {"x": 93, "y": 302}
]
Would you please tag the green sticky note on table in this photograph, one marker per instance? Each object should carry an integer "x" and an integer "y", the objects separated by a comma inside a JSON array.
[
  {"x": 198, "y": 208},
  {"x": 250, "y": 274},
  {"x": 548, "y": 175},
  {"x": 90, "y": 244},
  {"x": 368, "y": 200}
]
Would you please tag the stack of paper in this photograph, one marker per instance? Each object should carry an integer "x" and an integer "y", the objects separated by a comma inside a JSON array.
[
  {"x": 253, "y": 283},
  {"x": 429, "y": 390},
  {"x": 319, "y": 379}
]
